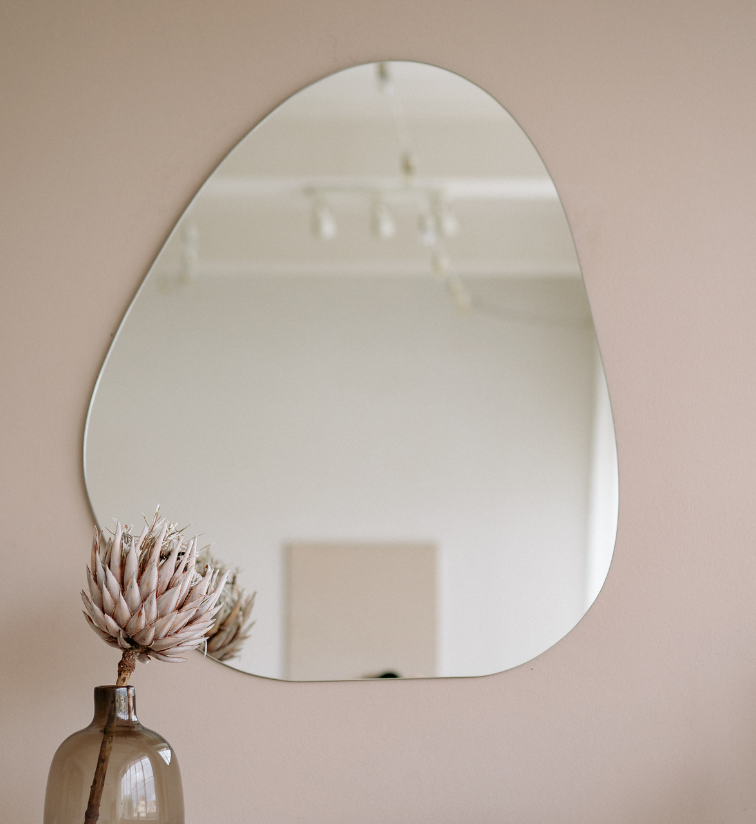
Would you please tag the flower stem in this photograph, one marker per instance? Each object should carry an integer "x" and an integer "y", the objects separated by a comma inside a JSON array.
[{"x": 125, "y": 668}]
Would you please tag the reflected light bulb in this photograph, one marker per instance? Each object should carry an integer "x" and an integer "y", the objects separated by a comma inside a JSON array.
[
  {"x": 323, "y": 221},
  {"x": 383, "y": 223},
  {"x": 427, "y": 228},
  {"x": 447, "y": 220}
]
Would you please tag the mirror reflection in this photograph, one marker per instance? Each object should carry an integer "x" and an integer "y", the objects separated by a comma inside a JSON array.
[{"x": 364, "y": 368}]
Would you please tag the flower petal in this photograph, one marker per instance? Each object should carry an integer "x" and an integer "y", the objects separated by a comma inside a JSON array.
[
  {"x": 199, "y": 589},
  {"x": 150, "y": 608},
  {"x": 114, "y": 588},
  {"x": 166, "y": 603},
  {"x": 149, "y": 580},
  {"x": 133, "y": 599},
  {"x": 166, "y": 658},
  {"x": 103, "y": 635},
  {"x": 163, "y": 625},
  {"x": 113, "y": 628},
  {"x": 122, "y": 613},
  {"x": 144, "y": 638},
  {"x": 131, "y": 567},
  {"x": 167, "y": 569},
  {"x": 155, "y": 554},
  {"x": 94, "y": 590},
  {"x": 137, "y": 622},
  {"x": 102, "y": 581},
  {"x": 108, "y": 604},
  {"x": 95, "y": 549},
  {"x": 115, "y": 555}
]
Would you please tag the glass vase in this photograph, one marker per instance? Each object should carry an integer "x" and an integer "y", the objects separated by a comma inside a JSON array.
[{"x": 138, "y": 776}]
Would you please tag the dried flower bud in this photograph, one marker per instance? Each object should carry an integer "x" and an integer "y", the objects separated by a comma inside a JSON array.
[{"x": 146, "y": 592}]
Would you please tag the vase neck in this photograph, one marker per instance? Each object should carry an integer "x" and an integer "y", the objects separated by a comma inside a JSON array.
[{"x": 124, "y": 699}]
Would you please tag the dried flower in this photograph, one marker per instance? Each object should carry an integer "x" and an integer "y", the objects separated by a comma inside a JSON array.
[
  {"x": 147, "y": 598},
  {"x": 146, "y": 595},
  {"x": 231, "y": 628}
]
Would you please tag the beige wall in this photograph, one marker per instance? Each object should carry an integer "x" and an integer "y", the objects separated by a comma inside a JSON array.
[{"x": 113, "y": 111}]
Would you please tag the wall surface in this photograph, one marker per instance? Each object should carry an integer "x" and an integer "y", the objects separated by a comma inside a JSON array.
[{"x": 114, "y": 112}]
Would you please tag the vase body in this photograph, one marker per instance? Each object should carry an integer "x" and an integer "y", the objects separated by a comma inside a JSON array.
[{"x": 142, "y": 780}]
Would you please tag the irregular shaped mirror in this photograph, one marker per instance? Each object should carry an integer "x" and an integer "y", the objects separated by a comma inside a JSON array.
[{"x": 364, "y": 367}]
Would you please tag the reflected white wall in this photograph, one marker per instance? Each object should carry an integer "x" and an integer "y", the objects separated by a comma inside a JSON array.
[
  {"x": 267, "y": 410},
  {"x": 604, "y": 494}
]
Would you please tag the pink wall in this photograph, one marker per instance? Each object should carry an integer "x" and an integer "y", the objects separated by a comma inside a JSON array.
[{"x": 112, "y": 113}]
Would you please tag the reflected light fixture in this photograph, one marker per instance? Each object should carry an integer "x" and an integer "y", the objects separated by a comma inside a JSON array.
[
  {"x": 323, "y": 220},
  {"x": 427, "y": 227},
  {"x": 382, "y": 221},
  {"x": 445, "y": 218}
]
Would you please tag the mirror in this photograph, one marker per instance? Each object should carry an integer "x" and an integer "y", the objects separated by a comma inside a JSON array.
[{"x": 364, "y": 367}]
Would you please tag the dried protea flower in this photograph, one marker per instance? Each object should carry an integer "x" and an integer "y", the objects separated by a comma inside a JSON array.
[
  {"x": 232, "y": 625},
  {"x": 146, "y": 597},
  {"x": 146, "y": 594}
]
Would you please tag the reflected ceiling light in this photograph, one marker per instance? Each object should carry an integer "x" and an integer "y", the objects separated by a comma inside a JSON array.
[
  {"x": 382, "y": 222},
  {"x": 323, "y": 222},
  {"x": 445, "y": 217},
  {"x": 427, "y": 227}
]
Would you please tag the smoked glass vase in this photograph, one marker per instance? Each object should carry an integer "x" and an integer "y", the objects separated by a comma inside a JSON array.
[{"x": 140, "y": 781}]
